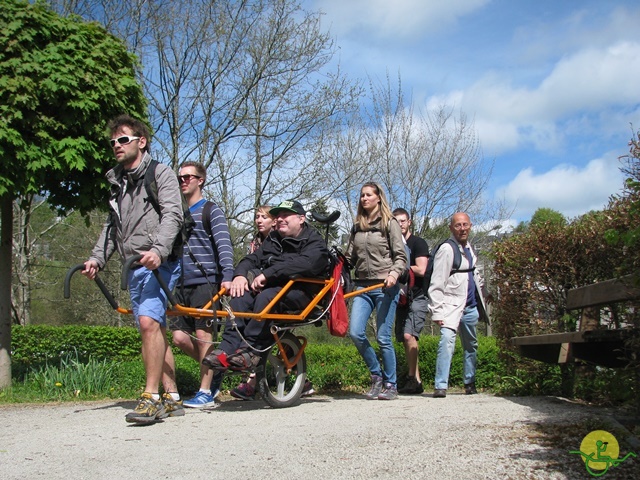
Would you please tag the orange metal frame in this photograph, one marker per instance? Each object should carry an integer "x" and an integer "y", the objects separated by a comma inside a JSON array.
[{"x": 207, "y": 312}]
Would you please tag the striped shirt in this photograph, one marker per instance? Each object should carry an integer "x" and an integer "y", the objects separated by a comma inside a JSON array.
[{"x": 216, "y": 260}]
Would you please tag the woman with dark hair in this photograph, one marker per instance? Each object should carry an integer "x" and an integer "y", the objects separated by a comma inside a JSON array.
[{"x": 376, "y": 251}]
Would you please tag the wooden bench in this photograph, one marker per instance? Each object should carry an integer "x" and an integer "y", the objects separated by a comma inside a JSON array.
[{"x": 590, "y": 343}]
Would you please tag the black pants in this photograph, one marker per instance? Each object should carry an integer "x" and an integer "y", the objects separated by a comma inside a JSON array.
[{"x": 255, "y": 332}]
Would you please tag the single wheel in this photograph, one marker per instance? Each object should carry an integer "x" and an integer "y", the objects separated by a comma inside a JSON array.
[{"x": 279, "y": 388}]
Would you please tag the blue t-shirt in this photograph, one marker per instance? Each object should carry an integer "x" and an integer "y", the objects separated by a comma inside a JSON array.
[{"x": 471, "y": 290}]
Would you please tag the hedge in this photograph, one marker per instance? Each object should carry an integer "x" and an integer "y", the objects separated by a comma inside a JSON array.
[{"x": 330, "y": 366}]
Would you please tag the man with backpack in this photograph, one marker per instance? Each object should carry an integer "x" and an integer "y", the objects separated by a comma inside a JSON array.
[
  {"x": 135, "y": 227},
  {"x": 207, "y": 265},
  {"x": 412, "y": 311},
  {"x": 457, "y": 301}
]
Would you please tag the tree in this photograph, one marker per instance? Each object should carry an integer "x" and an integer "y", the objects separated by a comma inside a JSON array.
[
  {"x": 62, "y": 79},
  {"x": 243, "y": 87},
  {"x": 547, "y": 216},
  {"x": 431, "y": 165}
]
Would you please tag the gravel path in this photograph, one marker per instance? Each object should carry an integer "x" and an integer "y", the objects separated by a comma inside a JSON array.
[{"x": 460, "y": 437}]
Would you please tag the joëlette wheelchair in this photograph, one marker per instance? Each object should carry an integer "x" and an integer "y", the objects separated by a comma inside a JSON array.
[{"x": 282, "y": 371}]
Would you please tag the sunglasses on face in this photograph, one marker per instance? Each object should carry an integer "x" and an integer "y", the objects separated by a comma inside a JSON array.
[
  {"x": 186, "y": 178},
  {"x": 125, "y": 139}
]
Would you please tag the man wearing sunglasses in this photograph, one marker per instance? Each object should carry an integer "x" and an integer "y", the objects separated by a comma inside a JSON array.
[
  {"x": 136, "y": 228},
  {"x": 207, "y": 264}
]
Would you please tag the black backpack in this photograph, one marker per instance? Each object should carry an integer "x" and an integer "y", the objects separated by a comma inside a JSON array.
[
  {"x": 188, "y": 224},
  {"x": 455, "y": 268}
]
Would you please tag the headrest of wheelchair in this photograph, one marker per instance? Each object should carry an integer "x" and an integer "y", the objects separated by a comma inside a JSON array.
[{"x": 326, "y": 219}]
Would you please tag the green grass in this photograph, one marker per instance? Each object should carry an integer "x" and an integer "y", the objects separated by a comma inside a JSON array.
[
  {"x": 71, "y": 379},
  {"x": 334, "y": 368}
]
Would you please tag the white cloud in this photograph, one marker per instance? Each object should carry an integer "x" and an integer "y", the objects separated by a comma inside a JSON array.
[
  {"x": 568, "y": 189},
  {"x": 394, "y": 19},
  {"x": 587, "y": 83}
]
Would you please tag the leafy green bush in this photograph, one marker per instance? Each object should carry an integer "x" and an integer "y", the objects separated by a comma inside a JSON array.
[
  {"x": 331, "y": 367},
  {"x": 36, "y": 345}
]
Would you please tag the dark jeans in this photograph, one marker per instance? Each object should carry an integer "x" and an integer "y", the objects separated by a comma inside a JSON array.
[{"x": 256, "y": 333}]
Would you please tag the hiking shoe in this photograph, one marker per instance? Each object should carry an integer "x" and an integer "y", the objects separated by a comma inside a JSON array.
[
  {"x": 376, "y": 387},
  {"x": 244, "y": 391},
  {"x": 439, "y": 393},
  {"x": 389, "y": 392},
  {"x": 172, "y": 408},
  {"x": 147, "y": 410},
  {"x": 412, "y": 387},
  {"x": 307, "y": 390},
  {"x": 200, "y": 400},
  {"x": 470, "y": 389}
]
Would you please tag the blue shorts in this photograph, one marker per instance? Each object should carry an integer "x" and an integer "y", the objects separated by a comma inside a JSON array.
[{"x": 147, "y": 298}]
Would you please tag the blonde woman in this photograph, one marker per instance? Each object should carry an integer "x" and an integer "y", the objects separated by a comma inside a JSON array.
[
  {"x": 376, "y": 251},
  {"x": 264, "y": 224}
]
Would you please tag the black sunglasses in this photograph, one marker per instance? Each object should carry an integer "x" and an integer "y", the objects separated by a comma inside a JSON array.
[
  {"x": 186, "y": 178},
  {"x": 122, "y": 140}
]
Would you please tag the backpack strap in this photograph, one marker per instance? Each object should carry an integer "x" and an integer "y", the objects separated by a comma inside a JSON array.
[
  {"x": 457, "y": 259},
  {"x": 151, "y": 185},
  {"x": 206, "y": 224},
  {"x": 206, "y": 220}
]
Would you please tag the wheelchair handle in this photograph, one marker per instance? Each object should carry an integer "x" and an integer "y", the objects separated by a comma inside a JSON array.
[
  {"x": 124, "y": 278},
  {"x": 126, "y": 266},
  {"x": 326, "y": 220},
  {"x": 103, "y": 288},
  {"x": 67, "y": 279}
]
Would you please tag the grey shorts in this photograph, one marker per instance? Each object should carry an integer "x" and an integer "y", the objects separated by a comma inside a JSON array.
[{"x": 410, "y": 319}]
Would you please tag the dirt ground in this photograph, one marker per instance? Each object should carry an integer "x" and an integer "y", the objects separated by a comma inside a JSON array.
[{"x": 459, "y": 437}]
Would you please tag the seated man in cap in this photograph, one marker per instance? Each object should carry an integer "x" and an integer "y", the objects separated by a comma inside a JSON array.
[{"x": 292, "y": 249}]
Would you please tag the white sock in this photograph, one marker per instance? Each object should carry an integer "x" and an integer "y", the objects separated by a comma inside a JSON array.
[{"x": 175, "y": 395}]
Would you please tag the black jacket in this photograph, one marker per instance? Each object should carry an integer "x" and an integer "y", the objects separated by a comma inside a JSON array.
[{"x": 281, "y": 258}]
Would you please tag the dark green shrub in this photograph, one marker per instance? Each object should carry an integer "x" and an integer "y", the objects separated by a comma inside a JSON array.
[
  {"x": 331, "y": 367},
  {"x": 36, "y": 345}
]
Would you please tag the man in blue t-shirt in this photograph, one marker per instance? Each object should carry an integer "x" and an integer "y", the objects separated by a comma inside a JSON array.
[
  {"x": 411, "y": 316},
  {"x": 207, "y": 265}
]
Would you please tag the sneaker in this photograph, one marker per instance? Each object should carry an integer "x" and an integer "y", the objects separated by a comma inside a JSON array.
[
  {"x": 470, "y": 389},
  {"x": 389, "y": 392},
  {"x": 200, "y": 400},
  {"x": 172, "y": 408},
  {"x": 439, "y": 393},
  {"x": 376, "y": 387},
  {"x": 412, "y": 387},
  {"x": 244, "y": 391},
  {"x": 307, "y": 390},
  {"x": 147, "y": 410}
]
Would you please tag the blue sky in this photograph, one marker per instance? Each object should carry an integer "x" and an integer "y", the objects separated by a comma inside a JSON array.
[{"x": 553, "y": 86}]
